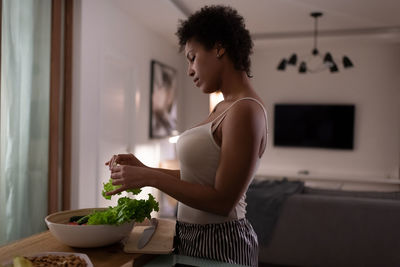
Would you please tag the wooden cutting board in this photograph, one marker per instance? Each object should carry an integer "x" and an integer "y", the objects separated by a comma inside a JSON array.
[{"x": 161, "y": 242}]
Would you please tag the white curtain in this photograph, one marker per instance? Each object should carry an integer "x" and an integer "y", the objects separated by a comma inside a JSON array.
[{"x": 24, "y": 120}]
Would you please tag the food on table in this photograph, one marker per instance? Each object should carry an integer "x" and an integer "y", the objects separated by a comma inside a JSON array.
[
  {"x": 22, "y": 262},
  {"x": 78, "y": 220},
  {"x": 56, "y": 260},
  {"x": 128, "y": 209},
  {"x": 49, "y": 260}
]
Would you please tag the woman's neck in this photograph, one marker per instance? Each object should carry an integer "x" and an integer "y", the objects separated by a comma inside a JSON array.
[{"x": 235, "y": 85}]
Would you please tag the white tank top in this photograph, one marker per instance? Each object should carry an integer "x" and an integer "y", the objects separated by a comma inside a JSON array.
[{"x": 198, "y": 155}]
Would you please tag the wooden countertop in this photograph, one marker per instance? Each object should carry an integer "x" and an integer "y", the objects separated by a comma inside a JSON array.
[{"x": 112, "y": 255}]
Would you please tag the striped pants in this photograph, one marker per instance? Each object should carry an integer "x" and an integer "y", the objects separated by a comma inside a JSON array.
[{"x": 233, "y": 242}]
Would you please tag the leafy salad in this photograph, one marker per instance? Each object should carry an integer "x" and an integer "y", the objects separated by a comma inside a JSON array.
[
  {"x": 127, "y": 209},
  {"x": 108, "y": 187}
]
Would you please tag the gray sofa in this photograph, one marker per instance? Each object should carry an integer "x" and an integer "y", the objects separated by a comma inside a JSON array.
[{"x": 335, "y": 228}]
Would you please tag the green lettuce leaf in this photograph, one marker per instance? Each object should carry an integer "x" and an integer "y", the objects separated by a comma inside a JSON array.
[
  {"x": 108, "y": 187},
  {"x": 127, "y": 209}
]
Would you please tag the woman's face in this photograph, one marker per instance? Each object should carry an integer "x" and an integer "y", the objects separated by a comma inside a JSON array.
[{"x": 204, "y": 66}]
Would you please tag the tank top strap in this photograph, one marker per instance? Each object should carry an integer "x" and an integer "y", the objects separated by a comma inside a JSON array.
[{"x": 217, "y": 121}]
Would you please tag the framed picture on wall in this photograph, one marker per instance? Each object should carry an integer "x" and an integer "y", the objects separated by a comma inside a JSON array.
[{"x": 163, "y": 100}]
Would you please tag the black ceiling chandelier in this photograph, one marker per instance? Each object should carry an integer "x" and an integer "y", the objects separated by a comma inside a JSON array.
[{"x": 315, "y": 62}]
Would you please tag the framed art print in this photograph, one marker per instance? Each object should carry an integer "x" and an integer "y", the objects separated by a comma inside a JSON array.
[{"x": 163, "y": 100}]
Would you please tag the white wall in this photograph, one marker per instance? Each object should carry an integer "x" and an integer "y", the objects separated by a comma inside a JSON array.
[
  {"x": 373, "y": 86},
  {"x": 112, "y": 55}
]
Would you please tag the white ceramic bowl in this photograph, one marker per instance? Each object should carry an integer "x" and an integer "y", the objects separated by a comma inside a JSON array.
[{"x": 85, "y": 236}]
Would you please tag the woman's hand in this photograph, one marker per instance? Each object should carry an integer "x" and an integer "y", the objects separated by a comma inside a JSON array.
[
  {"x": 124, "y": 159},
  {"x": 129, "y": 177}
]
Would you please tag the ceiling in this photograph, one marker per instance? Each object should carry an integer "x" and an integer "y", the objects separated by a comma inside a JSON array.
[{"x": 271, "y": 21}]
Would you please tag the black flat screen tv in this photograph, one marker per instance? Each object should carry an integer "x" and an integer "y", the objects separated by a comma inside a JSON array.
[{"x": 314, "y": 125}]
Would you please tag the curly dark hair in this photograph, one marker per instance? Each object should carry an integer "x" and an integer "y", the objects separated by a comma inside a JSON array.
[{"x": 219, "y": 24}]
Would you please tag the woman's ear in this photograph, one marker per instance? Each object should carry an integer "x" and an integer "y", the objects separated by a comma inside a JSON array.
[{"x": 220, "y": 50}]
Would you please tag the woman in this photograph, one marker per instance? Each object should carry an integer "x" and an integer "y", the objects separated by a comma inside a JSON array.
[{"x": 219, "y": 157}]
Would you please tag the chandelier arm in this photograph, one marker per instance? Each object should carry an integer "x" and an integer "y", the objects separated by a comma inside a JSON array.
[{"x": 315, "y": 33}]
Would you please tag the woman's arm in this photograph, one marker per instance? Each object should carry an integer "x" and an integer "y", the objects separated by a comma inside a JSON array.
[
  {"x": 131, "y": 160},
  {"x": 173, "y": 173}
]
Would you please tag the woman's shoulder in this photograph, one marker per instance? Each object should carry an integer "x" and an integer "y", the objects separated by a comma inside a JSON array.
[
  {"x": 248, "y": 105},
  {"x": 245, "y": 113}
]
